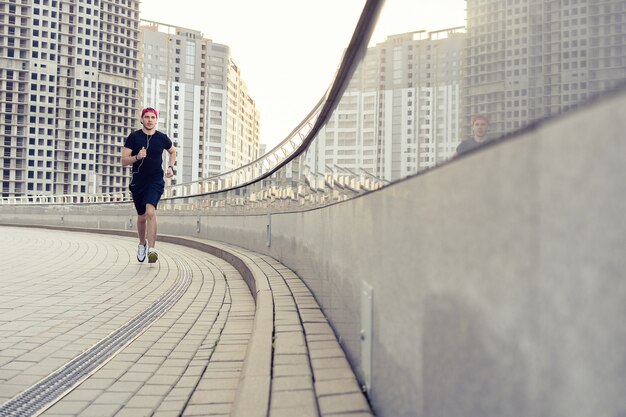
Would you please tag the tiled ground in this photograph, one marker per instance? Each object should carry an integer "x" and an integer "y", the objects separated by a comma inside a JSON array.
[
  {"x": 63, "y": 292},
  {"x": 183, "y": 336}
]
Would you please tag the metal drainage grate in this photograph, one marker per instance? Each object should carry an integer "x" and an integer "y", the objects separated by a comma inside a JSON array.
[{"x": 52, "y": 388}]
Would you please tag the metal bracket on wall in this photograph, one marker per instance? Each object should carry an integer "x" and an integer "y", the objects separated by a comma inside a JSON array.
[
  {"x": 268, "y": 238},
  {"x": 367, "y": 301},
  {"x": 198, "y": 225}
]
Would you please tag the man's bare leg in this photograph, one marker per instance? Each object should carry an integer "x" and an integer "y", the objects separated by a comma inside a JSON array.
[
  {"x": 141, "y": 228},
  {"x": 142, "y": 249},
  {"x": 151, "y": 226}
]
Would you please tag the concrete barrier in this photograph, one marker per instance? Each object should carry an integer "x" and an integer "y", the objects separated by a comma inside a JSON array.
[{"x": 492, "y": 285}]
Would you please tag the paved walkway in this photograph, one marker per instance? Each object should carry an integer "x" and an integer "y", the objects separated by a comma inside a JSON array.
[
  {"x": 63, "y": 292},
  {"x": 86, "y": 330}
]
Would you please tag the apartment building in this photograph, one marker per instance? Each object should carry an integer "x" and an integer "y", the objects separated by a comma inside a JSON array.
[
  {"x": 420, "y": 100},
  {"x": 401, "y": 112},
  {"x": 203, "y": 103},
  {"x": 69, "y": 92},
  {"x": 529, "y": 59}
]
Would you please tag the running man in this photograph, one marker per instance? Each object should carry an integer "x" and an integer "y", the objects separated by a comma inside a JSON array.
[
  {"x": 480, "y": 125},
  {"x": 144, "y": 150}
]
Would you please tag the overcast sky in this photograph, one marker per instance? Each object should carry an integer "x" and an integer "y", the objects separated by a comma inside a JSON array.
[{"x": 289, "y": 50}]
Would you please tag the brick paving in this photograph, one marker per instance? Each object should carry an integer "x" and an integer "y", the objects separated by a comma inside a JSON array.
[{"x": 62, "y": 292}]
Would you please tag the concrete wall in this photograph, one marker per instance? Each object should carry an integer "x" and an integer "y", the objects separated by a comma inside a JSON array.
[{"x": 497, "y": 280}]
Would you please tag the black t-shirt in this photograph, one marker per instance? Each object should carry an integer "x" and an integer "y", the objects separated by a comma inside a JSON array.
[
  {"x": 466, "y": 145},
  {"x": 152, "y": 164}
]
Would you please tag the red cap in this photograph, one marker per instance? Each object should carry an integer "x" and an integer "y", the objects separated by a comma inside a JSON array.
[
  {"x": 479, "y": 117},
  {"x": 149, "y": 110}
]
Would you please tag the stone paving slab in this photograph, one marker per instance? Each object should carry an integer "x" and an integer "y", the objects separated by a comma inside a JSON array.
[
  {"x": 211, "y": 353},
  {"x": 300, "y": 328},
  {"x": 62, "y": 292}
]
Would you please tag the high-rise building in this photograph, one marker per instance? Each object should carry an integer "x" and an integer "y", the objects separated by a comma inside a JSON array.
[
  {"x": 203, "y": 103},
  {"x": 401, "y": 112},
  {"x": 527, "y": 59},
  {"x": 69, "y": 92},
  {"x": 420, "y": 100},
  {"x": 348, "y": 139}
]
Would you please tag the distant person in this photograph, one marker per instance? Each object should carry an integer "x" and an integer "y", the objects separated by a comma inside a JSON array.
[
  {"x": 480, "y": 125},
  {"x": 144, "y": 150}
]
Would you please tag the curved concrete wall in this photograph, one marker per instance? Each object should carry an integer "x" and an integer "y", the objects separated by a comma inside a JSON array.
[{"x": 496, "y": 281}]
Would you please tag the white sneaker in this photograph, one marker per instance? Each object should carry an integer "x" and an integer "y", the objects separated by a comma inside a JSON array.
[
  {"x": 153, "y": 256},
  {"x": 141, "y": 251}
]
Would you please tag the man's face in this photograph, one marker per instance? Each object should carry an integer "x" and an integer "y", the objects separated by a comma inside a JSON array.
[
  {"x": 480, "y": 129},
  {"x": 149, "y": 120}
]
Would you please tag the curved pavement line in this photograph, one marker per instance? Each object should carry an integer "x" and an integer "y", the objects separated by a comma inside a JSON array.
[{"x": 36, "y": 399}]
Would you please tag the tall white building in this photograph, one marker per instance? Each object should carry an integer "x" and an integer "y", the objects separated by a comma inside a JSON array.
[
  {"x": 401, "y": 112},
  {"x": 527, "y": 59},
  {"x": 69, "y": 92},
  {"x": 420, "y": 100},
  {"x": 203, "y": 103}
]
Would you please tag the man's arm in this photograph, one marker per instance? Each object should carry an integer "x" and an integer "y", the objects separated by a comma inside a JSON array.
[
  {"x": 127, "y": 159},
  {"x": 171, "y": 161}
]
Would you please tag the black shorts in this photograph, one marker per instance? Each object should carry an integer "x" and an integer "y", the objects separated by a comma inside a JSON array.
[{"x": 147, "y": 192}]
